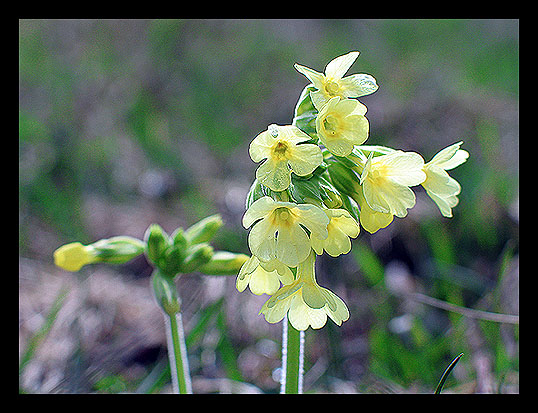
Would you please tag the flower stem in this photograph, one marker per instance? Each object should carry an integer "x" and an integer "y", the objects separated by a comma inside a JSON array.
[
  {"x": 177, "y": 354},
  {"x": 292, "y": 359}
]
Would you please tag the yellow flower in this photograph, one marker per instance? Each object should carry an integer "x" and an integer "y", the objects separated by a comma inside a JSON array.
[
  {"x": 306, "y": 303},
  {"x": 333, "y": 83},
  {"x": 73, "y": 256},
  {"x": 278, "y": 229},
  {"x": 341, "y": 124},
  {"x": 440, "y": 186},
  {"x": 263, "y": 277},
  {"x": 283, "y": 148},
  {"x": 341, "y": 227},
  {"x": 386, "y": 180}
]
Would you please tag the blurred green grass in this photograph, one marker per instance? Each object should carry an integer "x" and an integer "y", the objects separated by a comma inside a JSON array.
[{"x": 153, "y": 118}]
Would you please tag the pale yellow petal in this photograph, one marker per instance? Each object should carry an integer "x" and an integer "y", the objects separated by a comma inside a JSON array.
[
  {"x": 316, "y": 78},
  {"x": 275, "y": 175},
  {"x": 262, "y": 240},
  {"x": 301, "y": 316},
  {"x": 358, "y": 85},
  {"x": 258, "y": 210},
  {"x": 405, "y": 168},
  {"x": 337, "y": 68},
  {"x": 264, "y": 282},
  {"x": 450, "y": 157},
  {"x": 340, "y": 313},
  {"x": 305, "y": 158},
  {"x": 293, "y": 245},
  {"x": 260, "y": 147},
  {"x": 313, "y": 218},
  {"x": 372, "y": 220}
]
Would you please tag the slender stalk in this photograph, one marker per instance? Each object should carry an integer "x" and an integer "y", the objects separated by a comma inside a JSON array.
[
  {"x": 446, "y": 373},
  {"x": 292, "y": 359},
  {"x": 177, "y": 354}
]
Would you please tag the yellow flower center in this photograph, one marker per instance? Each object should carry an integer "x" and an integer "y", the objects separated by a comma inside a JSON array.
[
  {"x": 280, "y": 150},
  {"x": 332, "y": 88},
  {"x": 283, "y": 217},
  {"x": 330, "y": 123}
]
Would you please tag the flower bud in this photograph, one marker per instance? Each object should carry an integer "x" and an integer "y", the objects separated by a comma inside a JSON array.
[
  {"x": 157, "y": 241},
  {"x": 165, "y": 293},
  {"x": 178, "y": 238},
  {"x": 203, "y": 230},
  {"x": 118, "y": 250},
  {"x": 224, "y": 263},
  {"x": 344, "y": 179},
  {"x": 73, "y": 256},
  {"x": 197, "y": 255}
]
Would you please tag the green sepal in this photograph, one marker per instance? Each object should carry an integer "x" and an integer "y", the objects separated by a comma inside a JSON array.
[
  {"x": 196, "y": 256},
  {"x": 351, "y": 206},
  {"x": 178, "y": 238},
  {"x": 224, "y": 263},
  {"x": 344, "y": 179},
  {"x": 117, "y": 250},
  {"x": 305, "y": 113},
  {"x": 255, "y": 192},
  {"x": 165, "y": 292},
  {"x": 203, "y": 230},
  {"x": 172, "y": 260},
  {"x": 157, "y": 242}
]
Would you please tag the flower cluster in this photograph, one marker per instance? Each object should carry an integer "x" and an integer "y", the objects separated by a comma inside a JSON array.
[{"x": 318, "y": 184}]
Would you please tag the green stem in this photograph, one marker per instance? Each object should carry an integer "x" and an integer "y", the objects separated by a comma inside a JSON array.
[
  {"x": 292, "y": 359},
  {"x": 177, "y": 354}
]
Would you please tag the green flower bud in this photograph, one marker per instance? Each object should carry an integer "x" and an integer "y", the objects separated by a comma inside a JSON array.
[
  {"x": 171, "y": 262},
  {"x": 178, "y": 238},
  {"x": 117, "y": 250},
  {"x": 197, "y": 255},
  {"x": 224, "y": 263},
  {"x": 203, "y": 230},
  {"x": 344, "y": 179},
  {"x": 157, "y": 242},
  {"x": 165, "y": 293}
]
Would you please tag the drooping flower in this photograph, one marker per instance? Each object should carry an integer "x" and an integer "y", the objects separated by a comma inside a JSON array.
[
  {"x": 341, "y": 227},
  {"x": 333, "y": 83},
  {"x": 73, "y": 256},
  {"x": 278, "y": 229},
  {"x": 386, "y": 180},
  {"x": 306, "y": 303},
  {"x": 341, "y": 124},
  {"x": 263, "y": 277},
  {"x": 285, "y": 152},
  {"x": 441, "y": 187}
]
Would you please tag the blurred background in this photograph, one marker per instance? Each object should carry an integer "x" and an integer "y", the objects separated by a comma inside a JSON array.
[{"x": 124, "y": 123}]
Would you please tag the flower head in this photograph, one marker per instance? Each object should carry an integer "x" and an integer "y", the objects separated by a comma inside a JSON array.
[
  {"x": 73, "y": 256},
  {"x": 263, "y": 277},
  {"x": 341, "y": 227},
  {"x": 386, "y": 180},
  {"x": 341, "y": 124},
  {"x": 278, "y": 229},
  {"x": 440, "y": 186},
  {"x": 306, "y": 303},
  {"x": 333, "y": 83},
  {"x": 285, "y": 152}
]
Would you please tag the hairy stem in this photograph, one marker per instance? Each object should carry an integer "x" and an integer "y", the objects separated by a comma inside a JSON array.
[
  {"x": 292, "y": 359},
  {"x": 177, "y": 354}
]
